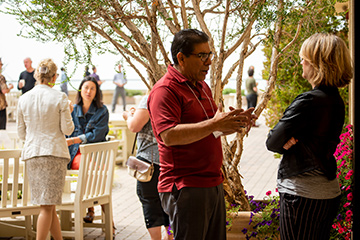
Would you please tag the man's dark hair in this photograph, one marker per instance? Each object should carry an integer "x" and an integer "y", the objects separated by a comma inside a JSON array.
[
  {"x": 251, "y": 71},
  {"x": 184, "y": 42},
  {"x": 62, "y": 69}
]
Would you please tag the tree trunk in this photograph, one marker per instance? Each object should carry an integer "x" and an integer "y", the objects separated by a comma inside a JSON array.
[{"x": 234, "y": 190}]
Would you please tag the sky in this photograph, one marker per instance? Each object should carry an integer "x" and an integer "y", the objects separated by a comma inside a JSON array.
[{"x": 15, "y": 48}]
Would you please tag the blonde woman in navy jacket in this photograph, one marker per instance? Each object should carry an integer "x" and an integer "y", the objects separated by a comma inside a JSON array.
[
  {"x": 307, "y": 136},
  {"x": 43, "y": 120}
]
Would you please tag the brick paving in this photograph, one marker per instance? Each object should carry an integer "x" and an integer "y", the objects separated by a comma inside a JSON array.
[{"x": 258, "y": 168}]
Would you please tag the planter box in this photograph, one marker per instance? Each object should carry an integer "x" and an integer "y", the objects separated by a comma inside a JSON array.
[
  {"x": 230, "y": 100},
  {"x": 240, "y": 221}
]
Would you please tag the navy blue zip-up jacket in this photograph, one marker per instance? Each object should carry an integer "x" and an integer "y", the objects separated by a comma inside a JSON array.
[{"x": 90, "y": 128}]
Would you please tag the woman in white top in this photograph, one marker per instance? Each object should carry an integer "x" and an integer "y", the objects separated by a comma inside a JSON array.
[{"x": 43, "y": 120}]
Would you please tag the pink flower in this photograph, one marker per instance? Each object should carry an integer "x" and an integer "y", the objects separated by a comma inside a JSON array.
[
  {"x": 348, "y": 218},
  {"x": 350, "y": 197},
  {"x": 349, "y": 213},
  {"x": 342, "y": 164},
  {"x": 348, "y": 188},
  {"x": 341, "y": 230},
  {"x": 268, "y": 193},
  {"x": 276, "y": 190},
  {"x": 346, "y": 205},
  {"x": 348, "y": 152},
  {"x": 342, "y": 136},
  {"x": 349, "y": 174}
]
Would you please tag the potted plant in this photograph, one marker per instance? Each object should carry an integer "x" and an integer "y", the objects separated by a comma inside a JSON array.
[
  {"x": 264, "y": 218},
  {"x": 236, "y": 220}
]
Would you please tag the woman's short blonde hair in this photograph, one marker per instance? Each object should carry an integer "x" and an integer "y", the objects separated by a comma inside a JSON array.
[
  {"x": 45, "y": 71},
  {"x": 330, "y": 59}
]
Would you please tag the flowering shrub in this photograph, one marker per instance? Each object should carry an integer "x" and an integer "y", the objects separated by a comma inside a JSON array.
[
  {"x": 342, "y": 227},
  {"x": 264, "y": 218},
  {"x": 230, "y": 208},
  {"x": 265, "y": 215}
]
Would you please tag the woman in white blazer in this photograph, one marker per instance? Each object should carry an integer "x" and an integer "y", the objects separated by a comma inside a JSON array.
[{"x": 43, "y": 120}]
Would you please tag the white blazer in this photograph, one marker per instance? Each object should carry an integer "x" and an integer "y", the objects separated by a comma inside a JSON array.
[{"x": 43, "y": 120}]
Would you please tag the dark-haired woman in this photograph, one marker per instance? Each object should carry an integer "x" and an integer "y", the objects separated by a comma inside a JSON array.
[{"x": 91, "y": 120}]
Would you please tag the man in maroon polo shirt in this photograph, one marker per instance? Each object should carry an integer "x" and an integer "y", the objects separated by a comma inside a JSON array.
[{"x": 187, "y": 125}]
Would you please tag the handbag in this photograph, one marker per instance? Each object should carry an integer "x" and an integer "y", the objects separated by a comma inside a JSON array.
[{"x": 140, "y": 170}]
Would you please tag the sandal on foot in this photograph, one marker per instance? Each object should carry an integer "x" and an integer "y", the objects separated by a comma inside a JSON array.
[{"x": 89, "y": 218}]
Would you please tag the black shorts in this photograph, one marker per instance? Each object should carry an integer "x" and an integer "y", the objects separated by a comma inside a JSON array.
[{"x": 149, "y": 197}]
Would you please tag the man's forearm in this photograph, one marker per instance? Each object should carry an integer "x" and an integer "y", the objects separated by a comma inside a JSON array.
[
  {"x": 229, "y": 122},
  {"x": 183, "y": 134}
]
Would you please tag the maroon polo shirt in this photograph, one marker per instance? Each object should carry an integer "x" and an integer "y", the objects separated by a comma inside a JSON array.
[{"x": 170, "y": 103}]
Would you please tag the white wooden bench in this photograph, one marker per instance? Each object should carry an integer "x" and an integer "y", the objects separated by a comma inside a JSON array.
[
  {"x": 14, "y": 183},
  {"x": 94, "y": 187},
  {"x": 121, "y": 132}
]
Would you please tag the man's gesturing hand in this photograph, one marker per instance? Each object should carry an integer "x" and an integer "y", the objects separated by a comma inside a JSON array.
[{"x": 233, "y": 121}]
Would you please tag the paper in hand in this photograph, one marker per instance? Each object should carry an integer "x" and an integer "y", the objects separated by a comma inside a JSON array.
[{"x": 217, "y": 134}]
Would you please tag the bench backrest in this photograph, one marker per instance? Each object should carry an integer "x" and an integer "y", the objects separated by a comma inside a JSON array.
[
  {"x": 13, "y": 179},
  {"x": 96, "y": 171}
]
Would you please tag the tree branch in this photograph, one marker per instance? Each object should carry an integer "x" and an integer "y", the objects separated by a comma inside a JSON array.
[
  {"x": 200, "y": 18},
  {"x": 229, "y": 73},
  {"x": 183, "y": 15},
  {"x": 171, "y": 26},
  {"x": 121, "y": 50},
  {"x": 273, "y": 65},
  {"x": 155, "y": 37},
  {"x": 172, "y": 9}
]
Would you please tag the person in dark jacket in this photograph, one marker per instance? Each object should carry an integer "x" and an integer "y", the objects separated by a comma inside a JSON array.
[
  {"x": 307, "y": 136},
  {"x": 91, "y": 120}
]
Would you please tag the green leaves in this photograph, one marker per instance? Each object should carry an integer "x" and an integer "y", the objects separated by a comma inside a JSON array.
[{"x": 319, "y": 17}]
